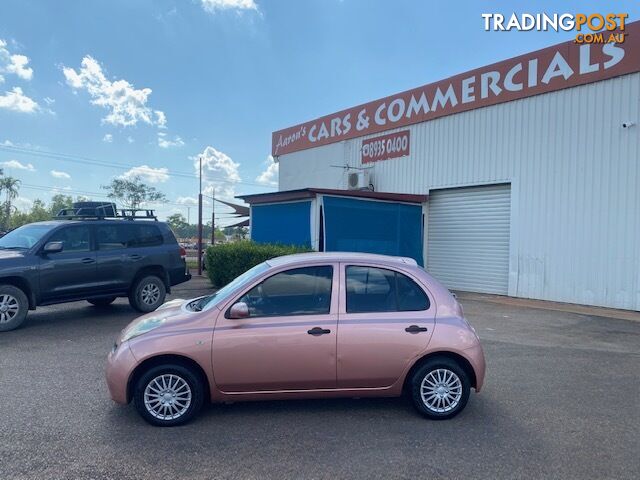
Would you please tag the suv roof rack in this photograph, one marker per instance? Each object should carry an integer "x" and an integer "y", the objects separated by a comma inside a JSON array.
[{"x": 102, "y": 211}]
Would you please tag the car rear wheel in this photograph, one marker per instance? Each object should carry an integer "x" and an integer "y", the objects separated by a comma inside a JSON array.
[
  {"x": 13, "y": 307},
  {"x": 440, "y": 388},
  {"x": 147, "y": 294},
  {"x": 168, "y": 395},
  {"x": 101, "y": 302}
]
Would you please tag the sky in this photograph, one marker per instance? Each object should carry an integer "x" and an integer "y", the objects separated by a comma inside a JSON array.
[{"x": 95, "y": 90}]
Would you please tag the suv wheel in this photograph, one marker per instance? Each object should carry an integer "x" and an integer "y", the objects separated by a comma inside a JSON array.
[
  {"x": 168, "y": 395},
  {"x": 13, "y": 307},
  {"x": 147, "y": 294},
  {"x": 101, "y": 302},
  {"x": 440, "y": 388}
]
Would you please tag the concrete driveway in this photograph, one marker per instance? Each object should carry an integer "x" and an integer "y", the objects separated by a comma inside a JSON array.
[{"x": 561, "y": 400}]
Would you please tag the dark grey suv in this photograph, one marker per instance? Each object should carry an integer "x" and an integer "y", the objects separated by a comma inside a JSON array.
[{"x": 95, "y": 260}]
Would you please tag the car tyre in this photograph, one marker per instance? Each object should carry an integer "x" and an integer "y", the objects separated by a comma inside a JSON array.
[
  {"x": 147, "y": 294},
  {"x": 14, "y": 306},
  {"x": 168, "y": 395},
  {"x": 101, "y": 302},
  {"x": 440, "y": 388}
]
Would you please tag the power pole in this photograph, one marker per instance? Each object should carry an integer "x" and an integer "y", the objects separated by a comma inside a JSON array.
[
  {"x": 213, "y": 218},
  {"x": 200, "y": 222}
]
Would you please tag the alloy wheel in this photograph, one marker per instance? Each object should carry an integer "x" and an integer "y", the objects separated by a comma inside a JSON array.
[
  {"x": 9, "y": 308},
  {"x": 167, "y": 397},
  {"x": 150, "y": 294},
  {"x": 441, "y": 390}
]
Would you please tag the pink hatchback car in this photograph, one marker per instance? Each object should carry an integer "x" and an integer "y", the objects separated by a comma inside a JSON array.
[{"x": 314, "y": 325}]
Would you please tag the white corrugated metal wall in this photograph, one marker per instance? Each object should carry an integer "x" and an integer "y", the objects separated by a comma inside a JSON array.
[
  {"x": 575, "y": 184},
  {"x": 468, "y": 238}
]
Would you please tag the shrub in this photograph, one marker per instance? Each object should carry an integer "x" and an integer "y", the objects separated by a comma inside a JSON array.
[{"x": 226, "y": 261}]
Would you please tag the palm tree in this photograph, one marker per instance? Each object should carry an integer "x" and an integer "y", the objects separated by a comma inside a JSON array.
[{"x": 10, "y": 186}]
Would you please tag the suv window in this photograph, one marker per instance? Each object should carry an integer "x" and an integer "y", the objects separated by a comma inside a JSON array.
[
  {"x": 127, "y": 235},
  {"x": 145, "y": 236},
  {"x": 371, "y": 289},
  {"x": 300, "y": 291},
  {"x": 74, "y": 239}
]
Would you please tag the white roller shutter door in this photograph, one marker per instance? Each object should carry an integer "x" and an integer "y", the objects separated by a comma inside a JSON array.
[{"x": 468, "y": 238}]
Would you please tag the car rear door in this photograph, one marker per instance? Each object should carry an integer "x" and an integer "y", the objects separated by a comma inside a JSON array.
[
  {"x": 72, "y": 272},
  {"x": 289, "y": 340},
  {"x": 385, "y": 323},
  {"x": 114, "y": 269}
]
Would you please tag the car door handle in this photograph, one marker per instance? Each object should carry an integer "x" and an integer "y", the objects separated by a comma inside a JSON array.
[
  {"x": 318, "y": 331},
  {"x": 135, "y": 256},
  {"x": 415, "y": 329},
  {"x": 88, "y": 260}
]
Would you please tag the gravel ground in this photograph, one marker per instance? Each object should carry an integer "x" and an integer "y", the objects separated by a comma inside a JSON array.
[{"x": 561, "y": 400}]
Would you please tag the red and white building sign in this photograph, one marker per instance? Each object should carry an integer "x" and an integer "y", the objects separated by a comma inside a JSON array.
[
  {"x": 385, "y": 147},
  {"x": 554, "y": 68}
]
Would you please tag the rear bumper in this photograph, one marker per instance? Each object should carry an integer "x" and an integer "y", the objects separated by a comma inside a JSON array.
[
  {"x": 475, "y": 355},
  {"x": 179, "y": 275}
]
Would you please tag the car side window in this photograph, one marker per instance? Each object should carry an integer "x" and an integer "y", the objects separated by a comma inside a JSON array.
[
  {"x": 300, "y": 291},
  {"x": 74, "y": 239},
  {"x": 113, "y": 237},
  {"x": 146, "y": 236},
  {"x": 371, "y": 289}
]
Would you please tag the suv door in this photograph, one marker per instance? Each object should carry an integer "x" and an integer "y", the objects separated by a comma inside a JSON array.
[
  {"x": 385, "y": 322},
  {"x": 70, "y": 273},
  {"x": 288, "y": 342},
  {"x": 112, "y": 240}
]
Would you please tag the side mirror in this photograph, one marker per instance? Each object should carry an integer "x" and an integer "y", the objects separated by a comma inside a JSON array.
[
  {"x": 239, "y": 310},
  {"x": 53, "y": 247}
]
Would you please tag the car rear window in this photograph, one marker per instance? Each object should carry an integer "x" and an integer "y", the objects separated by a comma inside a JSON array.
[
  {"x": 129, "y": 235},
  {"x": 371, "y": 289}
]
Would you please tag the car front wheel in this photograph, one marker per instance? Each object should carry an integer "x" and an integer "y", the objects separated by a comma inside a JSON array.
[
  {"x": 13, "y": 307},
  {"x": 168, "y": 395},
  {"x": 440, "y": 388},
  {"x": 147, "y": 294}
]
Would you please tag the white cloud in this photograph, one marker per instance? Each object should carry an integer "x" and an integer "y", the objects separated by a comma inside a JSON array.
[
  {"x": 212, "y": 6},
  {"x": 18, "y": 166},
  {"x": 270, "y": 175},
  {"x": 187, "y": 200},
  {"x": 23, "y": 203},
  {"x": 164, "y": 142},
  {"x": 161, "y": 119},
  {"x": 127, "y": 106},
  {"x": 108, "y": 138},
  {"x": 59, "y": 174},
  {"x": 17, "y": 101},
  {"x": 13, "y": 63},
  {"x": 219, "y": 171},
  {"x": 130, "y": 139},
  {"x": 150, "y": 174},
  {"x": 49, "y": 100}
]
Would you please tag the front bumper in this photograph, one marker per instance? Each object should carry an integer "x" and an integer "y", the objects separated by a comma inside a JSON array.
[{"x": 120, "y": 365}]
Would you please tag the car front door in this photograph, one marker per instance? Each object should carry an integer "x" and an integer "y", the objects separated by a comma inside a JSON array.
[
  {"x": 385, "y": 323},
  {"x": 72, "y": 272},
  {"x": 288, "y": 342}
]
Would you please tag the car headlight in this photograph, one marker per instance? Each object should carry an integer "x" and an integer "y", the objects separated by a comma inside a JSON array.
[{"x": 142, "y": 326}]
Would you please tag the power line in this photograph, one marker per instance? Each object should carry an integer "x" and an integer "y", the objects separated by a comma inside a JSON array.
[{"x": 99, "y": 163}]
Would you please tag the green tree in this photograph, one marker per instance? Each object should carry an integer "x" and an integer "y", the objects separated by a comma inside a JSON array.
[
  {"x": 10, "y": 186},
  {"x": 59, "y": 202},
  {"x": 132, "y": 192}
]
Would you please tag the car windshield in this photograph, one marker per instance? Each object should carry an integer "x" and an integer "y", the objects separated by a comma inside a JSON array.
[
  {"x": 25, "y": 237},
  {"x": 210, "y": 300}
]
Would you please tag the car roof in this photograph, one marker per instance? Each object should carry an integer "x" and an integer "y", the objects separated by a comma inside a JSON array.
[
  {"x": 92, "y": 221},
  {"x": 340, "y": 257}
]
